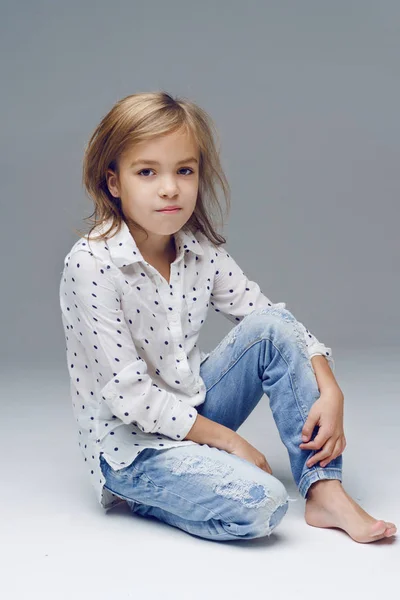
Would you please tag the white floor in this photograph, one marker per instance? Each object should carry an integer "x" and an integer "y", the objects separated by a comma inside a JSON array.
[{"x": 57, "y": 543}]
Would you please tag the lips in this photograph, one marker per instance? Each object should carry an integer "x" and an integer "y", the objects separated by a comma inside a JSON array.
[{"x": 169, "y": 209}]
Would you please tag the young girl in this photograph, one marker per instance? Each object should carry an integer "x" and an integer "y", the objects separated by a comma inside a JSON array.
[{"x": 157, "y": 417}]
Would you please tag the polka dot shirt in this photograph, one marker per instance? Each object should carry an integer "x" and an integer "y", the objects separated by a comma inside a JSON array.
[{"x": 133, "y": 360}]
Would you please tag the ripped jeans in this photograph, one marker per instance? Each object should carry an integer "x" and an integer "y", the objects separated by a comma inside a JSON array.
[{"x": 208, "y": 492}]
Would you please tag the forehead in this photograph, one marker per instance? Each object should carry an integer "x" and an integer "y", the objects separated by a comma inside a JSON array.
[{"x": 170, "y": 147}]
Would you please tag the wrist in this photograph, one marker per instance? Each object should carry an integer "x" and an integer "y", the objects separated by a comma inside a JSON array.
[
  {"x": 232, "y": 441},
  {"x": 333, "y": 391}
]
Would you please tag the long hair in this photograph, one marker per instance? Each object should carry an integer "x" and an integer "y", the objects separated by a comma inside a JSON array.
[{"x": 145, "y": 116}]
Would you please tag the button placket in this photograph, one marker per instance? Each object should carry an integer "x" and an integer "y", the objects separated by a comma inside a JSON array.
[
  {"x": 174, "y": 316},
  {"x": 174, "y": 321}
]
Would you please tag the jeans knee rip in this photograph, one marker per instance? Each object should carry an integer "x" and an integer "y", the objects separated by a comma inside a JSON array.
[{"x": 250, "y": 493}]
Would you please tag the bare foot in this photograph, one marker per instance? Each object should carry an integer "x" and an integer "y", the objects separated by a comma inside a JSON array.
[{"x": 328, "y": 505}]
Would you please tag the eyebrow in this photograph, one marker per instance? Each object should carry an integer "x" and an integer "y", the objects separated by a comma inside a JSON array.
[{"x": 144, "y": 161}]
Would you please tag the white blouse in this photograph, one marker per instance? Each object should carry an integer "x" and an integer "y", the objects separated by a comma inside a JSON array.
[{"x": 133, "y": 361}]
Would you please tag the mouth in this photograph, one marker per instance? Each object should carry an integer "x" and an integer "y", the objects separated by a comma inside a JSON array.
[{"x": 173, "y": 210}]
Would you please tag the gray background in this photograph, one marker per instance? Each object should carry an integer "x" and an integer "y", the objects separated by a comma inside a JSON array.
[{"x": 305, "y": 96}]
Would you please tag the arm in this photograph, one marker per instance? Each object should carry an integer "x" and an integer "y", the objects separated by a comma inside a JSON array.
[
  {"x": 325, "y": 378},
  {"x": 236, "y": 296},
  {"x": 91, "y": 306},
  {"x": 206, "y": 431},
  {"x": 231, "y": 285}
]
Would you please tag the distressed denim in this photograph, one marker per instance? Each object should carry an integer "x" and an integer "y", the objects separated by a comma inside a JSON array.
[{"x": 208, "y": 492}]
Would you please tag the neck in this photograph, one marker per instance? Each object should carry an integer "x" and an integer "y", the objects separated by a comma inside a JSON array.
[
  {"x": 167, "y": 252},
  {"x": 159, "y": 247}
]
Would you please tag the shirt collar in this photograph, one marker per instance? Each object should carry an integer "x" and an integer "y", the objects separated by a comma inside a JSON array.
[{"x": 124, "y": 251}]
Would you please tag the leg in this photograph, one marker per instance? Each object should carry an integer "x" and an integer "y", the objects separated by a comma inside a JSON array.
[
  {"x": 202, "y": 490},
  {"x": 266, "y": 353}
]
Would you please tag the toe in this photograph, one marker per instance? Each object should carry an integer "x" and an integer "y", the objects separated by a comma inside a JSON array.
[
  {"x": 391, "y": 529},
  {"x": 378, "y": 528},
  {"x": 389, "y": 533}
]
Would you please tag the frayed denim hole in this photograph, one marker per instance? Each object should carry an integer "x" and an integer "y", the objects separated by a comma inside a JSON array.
[{"x": 250, "y": 493}]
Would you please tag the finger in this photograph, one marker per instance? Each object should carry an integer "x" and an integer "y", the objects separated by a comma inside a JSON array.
[
  {"x": 325, "y": 452},
  {"x": 317, "y": 443},
  {"x": 308, "y": 446},
  {"x": 309, "y": 426},
  {"x": 336, "y": 452},
  {"x": 322, "y": 437}
]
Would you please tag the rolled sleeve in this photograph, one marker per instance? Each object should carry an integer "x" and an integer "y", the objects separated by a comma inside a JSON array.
[{"x": 329, "y": 359}]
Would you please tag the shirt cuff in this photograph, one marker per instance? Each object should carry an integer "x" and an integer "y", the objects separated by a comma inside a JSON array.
[
  {"x": 176, "y": 420},
  {"x": 328, "y": 357}
]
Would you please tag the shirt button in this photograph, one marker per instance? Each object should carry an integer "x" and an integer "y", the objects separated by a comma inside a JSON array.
[{"x": 174, "y": 318}]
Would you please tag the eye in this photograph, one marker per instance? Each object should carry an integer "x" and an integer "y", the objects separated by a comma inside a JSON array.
[{"x": 182, "y": 169}]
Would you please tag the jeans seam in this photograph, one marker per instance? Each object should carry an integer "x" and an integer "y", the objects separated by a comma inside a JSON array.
[
  {"x": 145, "y": 476},
  {"x": 216, "y": 515},
  {"x": 283, "y": 358},
  {"x": 253, "y": 343}
]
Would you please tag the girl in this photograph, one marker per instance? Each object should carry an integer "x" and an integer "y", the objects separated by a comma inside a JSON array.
[{"x": 157, "y": 417}]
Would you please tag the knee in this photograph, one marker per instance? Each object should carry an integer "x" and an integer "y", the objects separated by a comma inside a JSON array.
[
  {"x": 265, "y": 513},
  {"x": 275, "y": 318},
  {"x": 272, "y": 512},
  {"x": 271, "y": 520},
  {"x": 278, "y": 515},
  {"x": 276, "y": 509}
]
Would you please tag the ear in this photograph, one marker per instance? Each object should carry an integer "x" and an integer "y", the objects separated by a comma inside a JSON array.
[{"x": 112, "y": 183}]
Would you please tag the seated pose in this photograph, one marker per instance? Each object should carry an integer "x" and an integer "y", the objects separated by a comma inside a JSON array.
[{"x": 157, "y": 418}]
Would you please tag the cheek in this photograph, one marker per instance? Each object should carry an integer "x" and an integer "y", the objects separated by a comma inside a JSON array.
[
  {"x": 139, "y": 192},
  {"x": 192, "y": 189}
]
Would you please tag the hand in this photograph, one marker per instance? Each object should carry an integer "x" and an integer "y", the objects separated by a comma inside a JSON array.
[
  {"x": 327, "y": 413},
  {"x": 240, "y": 447}
]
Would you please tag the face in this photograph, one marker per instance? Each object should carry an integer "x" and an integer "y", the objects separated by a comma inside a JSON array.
[{"x": 162, "y": 175}]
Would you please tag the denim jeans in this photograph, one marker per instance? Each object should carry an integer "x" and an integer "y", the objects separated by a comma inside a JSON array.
[{"x": 209, "y": 492}]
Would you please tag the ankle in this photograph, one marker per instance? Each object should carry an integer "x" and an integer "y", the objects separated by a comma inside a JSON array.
[{"x": 322, "y": 487}]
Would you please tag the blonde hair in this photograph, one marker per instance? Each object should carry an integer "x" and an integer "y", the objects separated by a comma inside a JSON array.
[{"x": 140, "y": 117}]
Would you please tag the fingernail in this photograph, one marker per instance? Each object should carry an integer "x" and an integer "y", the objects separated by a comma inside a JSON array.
[{"x": 304, "y": 437}]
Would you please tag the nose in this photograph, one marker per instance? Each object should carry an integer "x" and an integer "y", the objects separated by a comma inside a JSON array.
[{"x": 168, "y": 188}]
